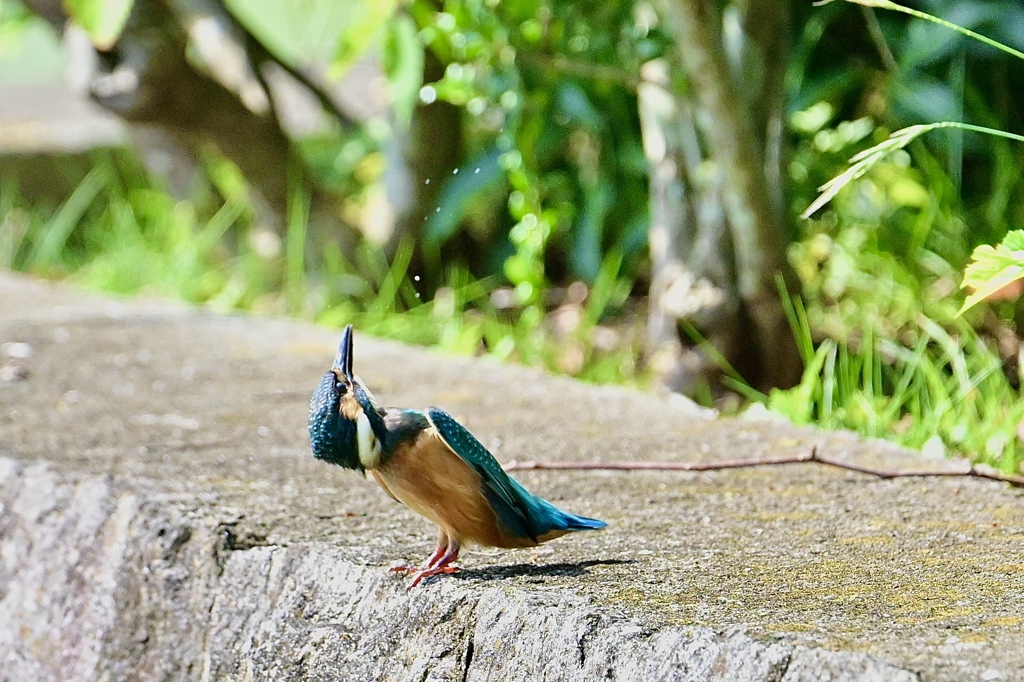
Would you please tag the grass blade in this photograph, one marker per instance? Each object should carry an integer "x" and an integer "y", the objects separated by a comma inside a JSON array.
[{"x": 47, "y": 250}]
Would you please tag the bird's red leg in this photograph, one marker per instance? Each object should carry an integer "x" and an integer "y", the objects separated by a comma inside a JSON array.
[
  {"x": 439, "y": 566},
  {"x": 443, "y": 544},
  {"x": 442, "y": 548}
]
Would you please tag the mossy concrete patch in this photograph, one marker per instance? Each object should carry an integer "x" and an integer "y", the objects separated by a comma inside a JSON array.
[{"x": 163, "y": 519}]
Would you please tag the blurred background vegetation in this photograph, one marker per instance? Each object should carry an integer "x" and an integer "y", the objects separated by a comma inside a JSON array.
[{"x": 611, "y": 191}]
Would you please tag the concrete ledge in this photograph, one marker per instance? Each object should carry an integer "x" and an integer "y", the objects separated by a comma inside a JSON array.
[
  {"x": 162, "y": 518},
  {"x": 51, "y": 119},
  {"x": 102, "y": 583}
]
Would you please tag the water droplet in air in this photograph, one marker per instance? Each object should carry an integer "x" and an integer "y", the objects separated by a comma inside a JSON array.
[{"x": 455, "y": 172}]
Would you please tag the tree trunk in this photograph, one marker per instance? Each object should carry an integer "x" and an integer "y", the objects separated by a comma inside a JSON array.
[
  {"x": 147, "y": 79},
  {"x": 742, "y": 135},
  {"x": 690, "y": 256}
]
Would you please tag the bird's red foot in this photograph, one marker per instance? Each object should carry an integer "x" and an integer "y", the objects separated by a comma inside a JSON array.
[
  {"x": 430, "y": 572},
  {"x": 439, "y": 562}
]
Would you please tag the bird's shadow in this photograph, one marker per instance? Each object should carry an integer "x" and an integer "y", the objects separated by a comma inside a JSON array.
[{"x": 571, "y": 570}]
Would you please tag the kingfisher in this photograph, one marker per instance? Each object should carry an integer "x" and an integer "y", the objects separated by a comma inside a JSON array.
[{"x": 429, "y": 462}]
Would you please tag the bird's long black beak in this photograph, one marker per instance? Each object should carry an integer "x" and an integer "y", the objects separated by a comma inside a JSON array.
[{"x": 343, "y": 360}]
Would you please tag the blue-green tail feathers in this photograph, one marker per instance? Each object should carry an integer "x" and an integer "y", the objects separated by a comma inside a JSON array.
[
  {"x": 520, "y": 513},
  {"x": 556, "y": 519}
]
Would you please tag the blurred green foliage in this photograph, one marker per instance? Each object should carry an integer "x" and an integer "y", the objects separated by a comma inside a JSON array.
[
  {"x": 548, "y": 91},
  {"x": 28, "y": 48},
  {"x": 536, "y": 249},
  {"x": 885, "y": 351},
  {"x": 118, "y": 232},
  {"x": 102, "y": 20}
]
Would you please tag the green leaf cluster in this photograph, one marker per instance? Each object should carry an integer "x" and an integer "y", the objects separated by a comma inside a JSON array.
[
  {"x": 993, "y": 268},
  {"x": 546, "y": 89}
]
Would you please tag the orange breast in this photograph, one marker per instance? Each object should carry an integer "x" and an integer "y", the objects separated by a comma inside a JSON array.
[{"x": 426, "y": 476}]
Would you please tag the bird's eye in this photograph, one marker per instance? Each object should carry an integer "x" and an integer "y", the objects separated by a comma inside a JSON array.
[{"x": 341, "y": 387}]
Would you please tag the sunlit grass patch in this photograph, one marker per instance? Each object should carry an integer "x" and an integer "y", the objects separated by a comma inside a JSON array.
[
  {"x": 132, "y": 238},
  {"x": 943, "y": 391}
]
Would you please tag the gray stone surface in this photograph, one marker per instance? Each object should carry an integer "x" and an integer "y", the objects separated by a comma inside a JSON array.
[
  {"x": 51, "y": 119},
  {"x": 161, "y": 518}
]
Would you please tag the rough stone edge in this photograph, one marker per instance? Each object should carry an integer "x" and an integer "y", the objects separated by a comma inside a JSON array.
[{"x": 100, "y": 579}]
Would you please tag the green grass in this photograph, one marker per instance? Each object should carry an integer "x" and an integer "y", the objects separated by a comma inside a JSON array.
[
  {"x": 946, "y": 390},
  {"x": 885, "y": 349},
  {"x": 128, "y": 238},
  {"x": 885, "y": 352}
]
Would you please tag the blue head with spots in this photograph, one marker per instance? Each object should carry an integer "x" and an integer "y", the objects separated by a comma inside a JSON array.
[{"x": 345, "y": 426}]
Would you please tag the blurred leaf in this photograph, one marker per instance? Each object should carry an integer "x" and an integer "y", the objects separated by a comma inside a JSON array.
[
  {"x": 813, "y": 118},
  {"x": 927, "y": 43},
  {"x": 295, "y": 239},
  {"x": 586, "y": 252},
  {"x": 906, "y": 191},
  {"x": 574, "y": 105},
  {"x": 992, "y": 268},
  {"x": 655, "y": 44},
  {"x": 921, "y": 98},
  {"x": 1008, "y": 25},
  {"x": 102, "y": 20},
  {"x": 366, "y": 23},
  {"x": 403, "y": 64},
  {"x": 14, "y": 19},
  {"x": 798, "y": 402},
  {"x": 50, "y": 244},
  {"x": 609, "y": 290},
  {"x": 453, "y": 204},
  {"x": 887, "y": 4},
  {"x": 831, "y": 85},
  {"x": 1000, "y": 20},
  {"x": 301, "y": 32}
]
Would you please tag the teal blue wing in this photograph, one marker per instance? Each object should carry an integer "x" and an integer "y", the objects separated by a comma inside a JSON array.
[
  {"x": 521, "y": 513},
  {"x": 501, "y": 490}
]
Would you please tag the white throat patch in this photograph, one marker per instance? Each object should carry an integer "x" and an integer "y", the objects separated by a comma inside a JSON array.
[{"x": 369, "y": 446}]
